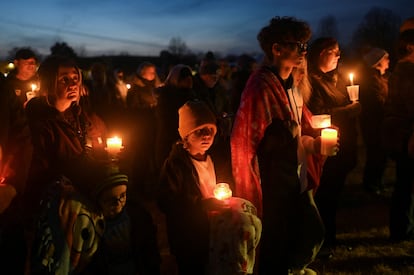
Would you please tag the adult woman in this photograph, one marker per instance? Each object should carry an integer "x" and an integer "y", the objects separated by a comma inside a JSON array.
[
  {"x": 329, "y": 96},
  {"x": 68, "y": 159}
]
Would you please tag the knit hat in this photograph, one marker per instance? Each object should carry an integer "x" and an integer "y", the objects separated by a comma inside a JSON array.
[
  {"x": 374, "y": 56},
  {"x": 194, "y": 115},
  {"x": 113, "y": 178}
]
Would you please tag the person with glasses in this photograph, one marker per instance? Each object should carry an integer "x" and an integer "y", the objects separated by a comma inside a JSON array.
[
  {"x": 329, "y": 96},
  {"x": 266, "y": 142},
  {"x": 128, "y": 244}
]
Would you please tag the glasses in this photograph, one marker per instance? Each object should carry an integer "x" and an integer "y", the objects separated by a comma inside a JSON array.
[
  {"x": 206, "y": 131},
  {"x": 114, "y": 201},
  {"x": 301, "y": 47}
]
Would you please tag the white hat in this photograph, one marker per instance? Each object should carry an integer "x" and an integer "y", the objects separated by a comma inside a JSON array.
[
  {"x": 374, "y": 56},
  {"x": 194, "y": 115}
]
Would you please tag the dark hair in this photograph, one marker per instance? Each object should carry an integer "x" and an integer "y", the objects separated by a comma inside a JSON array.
[
  {"x": 143, "y": 66},
  {"x": 282, "y": 29},
  {"x": 48, "y": 72},
  {"x": 185, "y": 72},
  {"x": 25, "y": 53},
  {"x": 315, "y": 49},
  {"x": 406, "y": 38}
]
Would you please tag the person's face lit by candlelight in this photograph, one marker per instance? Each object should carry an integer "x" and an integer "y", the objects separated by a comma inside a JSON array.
[
  {"x": 113, "y": 200},
  {"x": 200, "y": 140},
  {"x": 329, "y": 58},
  {"x": 68, "y": 83},
  {"x": 68, "y": 86}
]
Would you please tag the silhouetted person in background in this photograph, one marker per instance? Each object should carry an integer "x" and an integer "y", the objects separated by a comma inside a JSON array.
[{"x": 373, "y": 94}]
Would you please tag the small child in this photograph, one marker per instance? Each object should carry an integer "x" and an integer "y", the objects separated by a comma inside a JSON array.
[
  {"x": 188, "y": 179},
  {"x": 128, "y": 244}
]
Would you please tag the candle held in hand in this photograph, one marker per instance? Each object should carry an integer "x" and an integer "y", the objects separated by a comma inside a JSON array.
[
  {"x": 329, "y": 140},
  {"x": 113, "y": 145},
  {"x": 222, "y": 191}
]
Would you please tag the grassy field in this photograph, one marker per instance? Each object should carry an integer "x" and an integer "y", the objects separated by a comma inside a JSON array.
[{"x": 363, "y": 233}]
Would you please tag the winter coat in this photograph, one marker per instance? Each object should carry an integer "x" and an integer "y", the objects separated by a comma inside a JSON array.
[
  {"x": 70, "y": 144},
  {"x": 329, "y": 96},
  {"x": 181, "y": 201},
  {"x": 128, "y": 244},
  {"x": 398, "y": 124},
  {"x": 372, "y": 95}
]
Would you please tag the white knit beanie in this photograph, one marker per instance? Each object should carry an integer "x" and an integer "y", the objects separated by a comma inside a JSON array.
[
  {"x": 194, "y": 115},
  {"x": 374, "y": 56}
]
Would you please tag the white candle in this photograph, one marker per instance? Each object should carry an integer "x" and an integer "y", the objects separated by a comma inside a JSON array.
[
  {"x": 351, "y": 78},
  {"x": 321, "y": 121},
  {"x": 353, "y": 92},
  {"x": 113, "y": 145},
  {"x": 222, "y": 191},
  {"x": 329, "y": 140}
]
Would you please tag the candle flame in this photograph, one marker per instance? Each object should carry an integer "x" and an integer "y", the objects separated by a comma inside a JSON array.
[
  {"x": 222, "y": 191},
  {"x": 351, "y": 78},
  {"x": 113, "y": 145}
]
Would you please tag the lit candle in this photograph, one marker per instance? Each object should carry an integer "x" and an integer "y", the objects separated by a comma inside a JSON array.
[
  {"x": 351, "y": 78},
  {"x": 34, "y": 86},
  {"x": 329, "y": 140},
  {"x": 222, "y": 191},
  {"x": 128, "y": 86},
  {"x": 321, "y": 121},
  {"x": 113, "y": 145}
]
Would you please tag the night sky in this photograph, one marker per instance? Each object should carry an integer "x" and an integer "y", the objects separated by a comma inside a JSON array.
[{"x": 146, "y": 27}]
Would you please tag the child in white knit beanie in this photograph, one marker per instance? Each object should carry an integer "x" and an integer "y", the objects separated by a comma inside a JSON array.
[{"x": 194, "y": 216}]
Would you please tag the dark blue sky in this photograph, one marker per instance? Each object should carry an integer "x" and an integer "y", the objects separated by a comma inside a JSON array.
[{"x": 145, "y": 27}]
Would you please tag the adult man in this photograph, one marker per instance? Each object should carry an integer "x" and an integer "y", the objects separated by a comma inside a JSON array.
[
  {"x": 15, "y": 157},
  {"x": 21, "y": 79}
]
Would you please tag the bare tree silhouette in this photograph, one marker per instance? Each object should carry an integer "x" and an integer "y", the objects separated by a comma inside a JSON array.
[
  {"x": 379, "y": 28},
  {"x": 61, "y": 48},
  {"x": 328, "y": 27},
  {"x": 177, "y": 46}
]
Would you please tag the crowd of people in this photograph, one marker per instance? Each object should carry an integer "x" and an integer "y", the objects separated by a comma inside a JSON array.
[{"x": 70, "y": 205}]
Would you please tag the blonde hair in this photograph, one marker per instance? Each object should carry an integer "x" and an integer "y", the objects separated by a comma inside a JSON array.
[{"x": 304, "y": 85}]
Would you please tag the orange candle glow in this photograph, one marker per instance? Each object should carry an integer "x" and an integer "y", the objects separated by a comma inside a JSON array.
[
  {"x": 34, "y": 87},
  {"x": 351, "y": 78},
  {"x": 113, "y": 145},
  {"x": 329, "y": 140},
  {"x": 222, "y": 191}
]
